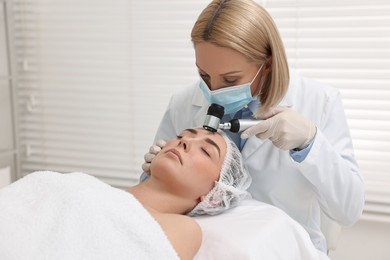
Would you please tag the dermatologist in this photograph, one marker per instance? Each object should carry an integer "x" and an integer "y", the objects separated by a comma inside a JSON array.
[{"x": 300, "y": 154}]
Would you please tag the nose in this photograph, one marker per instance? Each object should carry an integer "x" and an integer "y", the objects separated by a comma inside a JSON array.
[
  {"x": 212, "y": 84},
  {"x": 186, "y": 143}
]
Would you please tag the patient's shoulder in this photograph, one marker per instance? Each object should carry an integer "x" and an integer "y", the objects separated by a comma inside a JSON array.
[{"x": 183, "y": 232}]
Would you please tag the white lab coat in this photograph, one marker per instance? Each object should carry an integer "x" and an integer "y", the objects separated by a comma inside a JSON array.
[{"x": 328, "y": 179}]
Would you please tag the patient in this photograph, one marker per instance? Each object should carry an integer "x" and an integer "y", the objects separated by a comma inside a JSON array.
[
  {"x": 77, "y": 216},
  {"x": 200, "y": 172}
]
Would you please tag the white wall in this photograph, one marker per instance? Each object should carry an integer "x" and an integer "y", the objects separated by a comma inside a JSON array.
[
  {"x": 5, "y": 176},
  {"x": 364, "y": 240},
  {"x": 7, "y": 145}
]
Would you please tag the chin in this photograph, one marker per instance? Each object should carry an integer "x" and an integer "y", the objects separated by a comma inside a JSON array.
[{"x": 163, "y": 167}]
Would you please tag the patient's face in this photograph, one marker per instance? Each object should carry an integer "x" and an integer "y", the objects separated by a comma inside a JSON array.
[{"x": 191, "y": 163}]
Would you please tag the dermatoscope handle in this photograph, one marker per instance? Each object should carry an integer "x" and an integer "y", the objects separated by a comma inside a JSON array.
[{"x": 239, "y": 125}]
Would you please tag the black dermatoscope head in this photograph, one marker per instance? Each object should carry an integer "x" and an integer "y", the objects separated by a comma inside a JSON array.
[
  {"x": 213, "y": 121},
  {"x": 213, "y": 117}
]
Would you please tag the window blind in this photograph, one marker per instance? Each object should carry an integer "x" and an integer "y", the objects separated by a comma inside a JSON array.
[
  {"x": 346, "y": 44},
  {"x": 94, "y": 78},
  {"x": 76, "y": 100}
]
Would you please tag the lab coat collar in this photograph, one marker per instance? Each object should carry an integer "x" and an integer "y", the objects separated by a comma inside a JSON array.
[
  {"x": 197, "y": 97},
  {"x": 290, "y": 96},
  {"x": 200, "y": 103},
  {"x": 253, "y": 143}
]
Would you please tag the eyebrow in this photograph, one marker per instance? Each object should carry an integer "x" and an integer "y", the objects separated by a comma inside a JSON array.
[
  {"x": 208, "y": 140},
  {"x": 224, "y": 74}
]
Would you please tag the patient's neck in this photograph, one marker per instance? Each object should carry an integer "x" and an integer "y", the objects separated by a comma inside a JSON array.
[{"x": 152, "y": 194}]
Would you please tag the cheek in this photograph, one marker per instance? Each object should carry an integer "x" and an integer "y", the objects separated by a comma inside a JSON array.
[
  {"x": 161, "y": 165},
  {"x": 207, "y": 174},
  {"x": 154, "y": 165}
]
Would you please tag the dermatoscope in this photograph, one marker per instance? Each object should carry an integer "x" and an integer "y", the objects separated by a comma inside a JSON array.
[{"x": 213, "y": 121}]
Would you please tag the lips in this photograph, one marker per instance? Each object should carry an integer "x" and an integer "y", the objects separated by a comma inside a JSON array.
[{"x": 176, "y": 153}]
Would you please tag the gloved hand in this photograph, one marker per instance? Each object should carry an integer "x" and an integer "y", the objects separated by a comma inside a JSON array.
[
  {"x": 153, "y": 151},
  {"x": 285, "y": 128}
]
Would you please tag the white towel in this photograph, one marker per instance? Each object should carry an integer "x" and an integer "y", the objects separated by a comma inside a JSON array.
[{"x": 48, "y": 215}]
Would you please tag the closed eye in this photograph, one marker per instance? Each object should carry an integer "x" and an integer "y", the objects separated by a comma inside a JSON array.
[
  {"x": 205, "y": 152},
  {"x": 204, "y": 76},
  {"x": 230, "y": 82}
]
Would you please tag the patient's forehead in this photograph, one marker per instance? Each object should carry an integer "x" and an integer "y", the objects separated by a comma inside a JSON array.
[
  {"x": 203, "y": 133},
  {"x": 200, "y": 130}
]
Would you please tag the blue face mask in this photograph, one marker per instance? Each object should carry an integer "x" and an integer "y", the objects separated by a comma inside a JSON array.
[{"x": 231, "y": 98}]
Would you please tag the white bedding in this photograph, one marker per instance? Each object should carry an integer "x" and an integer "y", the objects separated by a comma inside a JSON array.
[
  {"x": 255, "y": 230},
  {"x": 54, "y": 216},
  {"x": 48, "y": 215}
]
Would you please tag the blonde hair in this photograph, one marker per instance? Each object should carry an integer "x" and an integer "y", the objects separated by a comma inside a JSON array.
[{"x": 246, "y": 27}]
